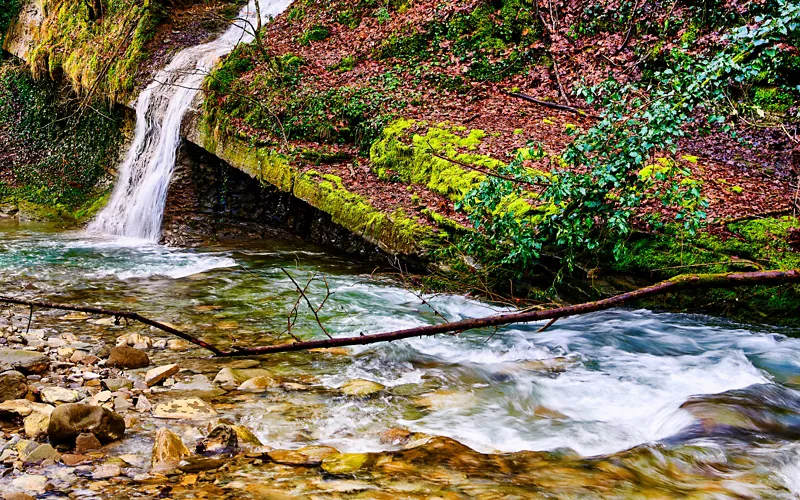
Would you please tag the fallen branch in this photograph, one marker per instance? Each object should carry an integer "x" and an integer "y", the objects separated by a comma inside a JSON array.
[
  {"x": 552, "y": 105},
  {"x": 678, "y": 283},
  {"x": 117, "y": 314}
]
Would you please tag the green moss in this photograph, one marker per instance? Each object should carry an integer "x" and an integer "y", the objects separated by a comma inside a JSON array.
[
  {"x": 773, "y": 99},
  {"x": 409, "y": 159},
  {"x": 315, "y": 33}
]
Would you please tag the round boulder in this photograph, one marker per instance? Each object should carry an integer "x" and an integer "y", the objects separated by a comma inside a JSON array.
[
  {"x": 128, "y": 357},
  {"x": 69, "y": 420}
]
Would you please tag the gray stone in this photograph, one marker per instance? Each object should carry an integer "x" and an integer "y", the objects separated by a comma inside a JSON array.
[
  {"x": 13, "y": 385},
  {"x": 115, "y": 384},
  {"x": 190, "y": 408},
  {"x": 41, "y": 453},
  {"x": 69, "y": 420},
  {"x": 24, "y": 361},
  {"x": 55, "y": 395}
]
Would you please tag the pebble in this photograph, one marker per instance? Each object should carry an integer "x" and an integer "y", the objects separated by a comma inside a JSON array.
[{"x": 160, "y": 373}]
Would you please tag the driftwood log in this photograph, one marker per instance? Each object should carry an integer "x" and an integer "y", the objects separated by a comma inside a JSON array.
[{"x": 678, "y": 283}]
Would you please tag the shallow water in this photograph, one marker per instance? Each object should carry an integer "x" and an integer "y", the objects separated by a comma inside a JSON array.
[{"x": 680, "y": 403}]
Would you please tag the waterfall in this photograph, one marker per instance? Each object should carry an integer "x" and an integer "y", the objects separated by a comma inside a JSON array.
[{"x": 137, "y": 203}]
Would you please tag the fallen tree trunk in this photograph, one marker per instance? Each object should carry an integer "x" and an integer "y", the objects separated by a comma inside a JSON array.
[{"x": 678, "y": 283}]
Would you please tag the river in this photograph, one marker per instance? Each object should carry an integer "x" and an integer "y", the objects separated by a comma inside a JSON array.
[{"x": 673, "y": 404}]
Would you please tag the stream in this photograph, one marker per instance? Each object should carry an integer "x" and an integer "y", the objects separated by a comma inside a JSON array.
[{"x": 622, "y": 403}]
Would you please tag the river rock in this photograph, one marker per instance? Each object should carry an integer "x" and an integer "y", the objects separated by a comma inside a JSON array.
[
  {"x": 344, "y": 463},
  {"x": 69, "y": 420},
  {"x": 13, "y": 385},
  {"x": 41, "y": 453},
  {"x": 361, "y": 387},
  {"x": 178, "y": 345},
  {"x": 36, "y": 425},
  {"x": 86, "y": 441},
  {"x": 189, "y": 408},
  {"x": 168, "y": 448},
  {"x": 106, "y": 471},
  {"x": 24, "y": 361},
  {"x": 23, "y": 408},
  {"x": 245, "y": 436},
  {"x": 128, "y": 357},
  {"x": 258, "y": 384},
  {"x": 71, "y": 459},
  {"x": 115, "y": 384},
  {"x": 55, "y": 395},
  {"x": 230, "y": 378},
  {"x": 395, "y": 436},
  {"x": 310, "y": 455},
  {"x": 143, "y": 404},
  {"x": 33, "y": 484},
  {"x": 222, "y": 439},
  {"x": 159, "y": 374},
  {"x": 133, "y": 339}
]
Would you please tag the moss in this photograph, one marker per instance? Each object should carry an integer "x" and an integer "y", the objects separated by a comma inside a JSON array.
[
  {"x": 754, "y": 245},
  {"x": 315, "y": 33},
  {"x": 92, "y": 207},
  {"x": 409, "y": 159},
  {"x": 773, "y": 99},
  {"x": 396, "y": 233}
]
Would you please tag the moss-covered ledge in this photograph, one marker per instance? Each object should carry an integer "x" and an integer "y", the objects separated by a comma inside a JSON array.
[{"x": 395, "y": 233}]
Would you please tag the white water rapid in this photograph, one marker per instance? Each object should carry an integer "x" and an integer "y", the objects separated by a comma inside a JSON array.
[{"x": 137, "y": 203}]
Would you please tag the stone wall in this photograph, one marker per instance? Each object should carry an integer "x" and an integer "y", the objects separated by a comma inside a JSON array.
[{"x": 211, "y": 201}]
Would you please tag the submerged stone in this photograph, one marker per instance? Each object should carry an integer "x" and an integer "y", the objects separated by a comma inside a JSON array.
[
  {"x": 230, "y": 378},
  {"x": 361, "y": 387},
  {"x": 258, "y": 384},
  {"x": 310, "y": 455},
  {"x": 344, "y": 463},
  {"x": 190, "y": 408}
]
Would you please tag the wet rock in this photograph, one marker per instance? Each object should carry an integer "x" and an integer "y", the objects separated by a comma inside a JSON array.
[
  {"x": 69, "y": 420},
  {"x": 190, "y": 408},
  {"x": 77, "y": 356},
  {"x": 128, "y": 357},
  {"x": 23, "y": 361},
  {"x": 55, "y": 395},
  {"x": 86, "y": 441},
  {"x": 133, "y": 339},
  {"x": 361, "y": 387},
  {"x": 41, "y": 453},
  {"x": 23, "y": 408},
  {"x": 200, "y": 464},
  {"x": 258, "y": 384},
  {"x": 178, "y": 345},
  {"x": 168, "y": 448},
  {"x": 102, "y": 397},
  {"x": 444, "y": 399},
  {"x": 245, "y": 436},
  {"x": 344, "y": 463},
  {"x": 36, "y": 425},
  {"x": 310, "y": 455},
  {"x": 198, "y": 385},
  {"x": 115, "y": 384},
  {"x": 337, "y": 351},
  {"x": 230, "y": 378},
  {"x": 13, "y": 385},
  {"x": 159, "y": 374},
  {"x": 122, "y": 404},
  {"x": 143, "y": 404},
  {"x": 395, "y": 436},
  {"x": 106, "y": 471},
  {"x": 33, "y": 484},
  {"x": 222, "y": 439},
  {"x": 160, "y": 344},
  {"x": 71, "y": 459}
]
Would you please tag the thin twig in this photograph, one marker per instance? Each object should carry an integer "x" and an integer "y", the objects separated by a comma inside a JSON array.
[{"x": 310, "y": 306}]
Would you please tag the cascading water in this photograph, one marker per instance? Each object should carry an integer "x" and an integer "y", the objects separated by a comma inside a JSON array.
[{"x": 137, "y": 203}]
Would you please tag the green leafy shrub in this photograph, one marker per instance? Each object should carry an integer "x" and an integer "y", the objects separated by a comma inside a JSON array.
[{"x": 315, "y": 33}]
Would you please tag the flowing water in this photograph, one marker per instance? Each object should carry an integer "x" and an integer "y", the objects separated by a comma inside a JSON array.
[
  {"x": 136, "y": 206},
  {"x": 626, "y": 402}
]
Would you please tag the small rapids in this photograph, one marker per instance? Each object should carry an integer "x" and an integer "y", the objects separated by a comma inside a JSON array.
[{"x": 691, "y": 403}]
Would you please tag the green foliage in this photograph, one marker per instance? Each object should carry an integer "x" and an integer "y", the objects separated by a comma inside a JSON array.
[
  {"x": 60, "y": 154},
  {"x": 494, "y": 39},
  {"x": 8, "y": 10},
  {"x": 315, "y": 33},
  {"x": 346, "y": 64},
  {"x": 773, "y": 99},
  {"x": 604, "y": 176}
]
